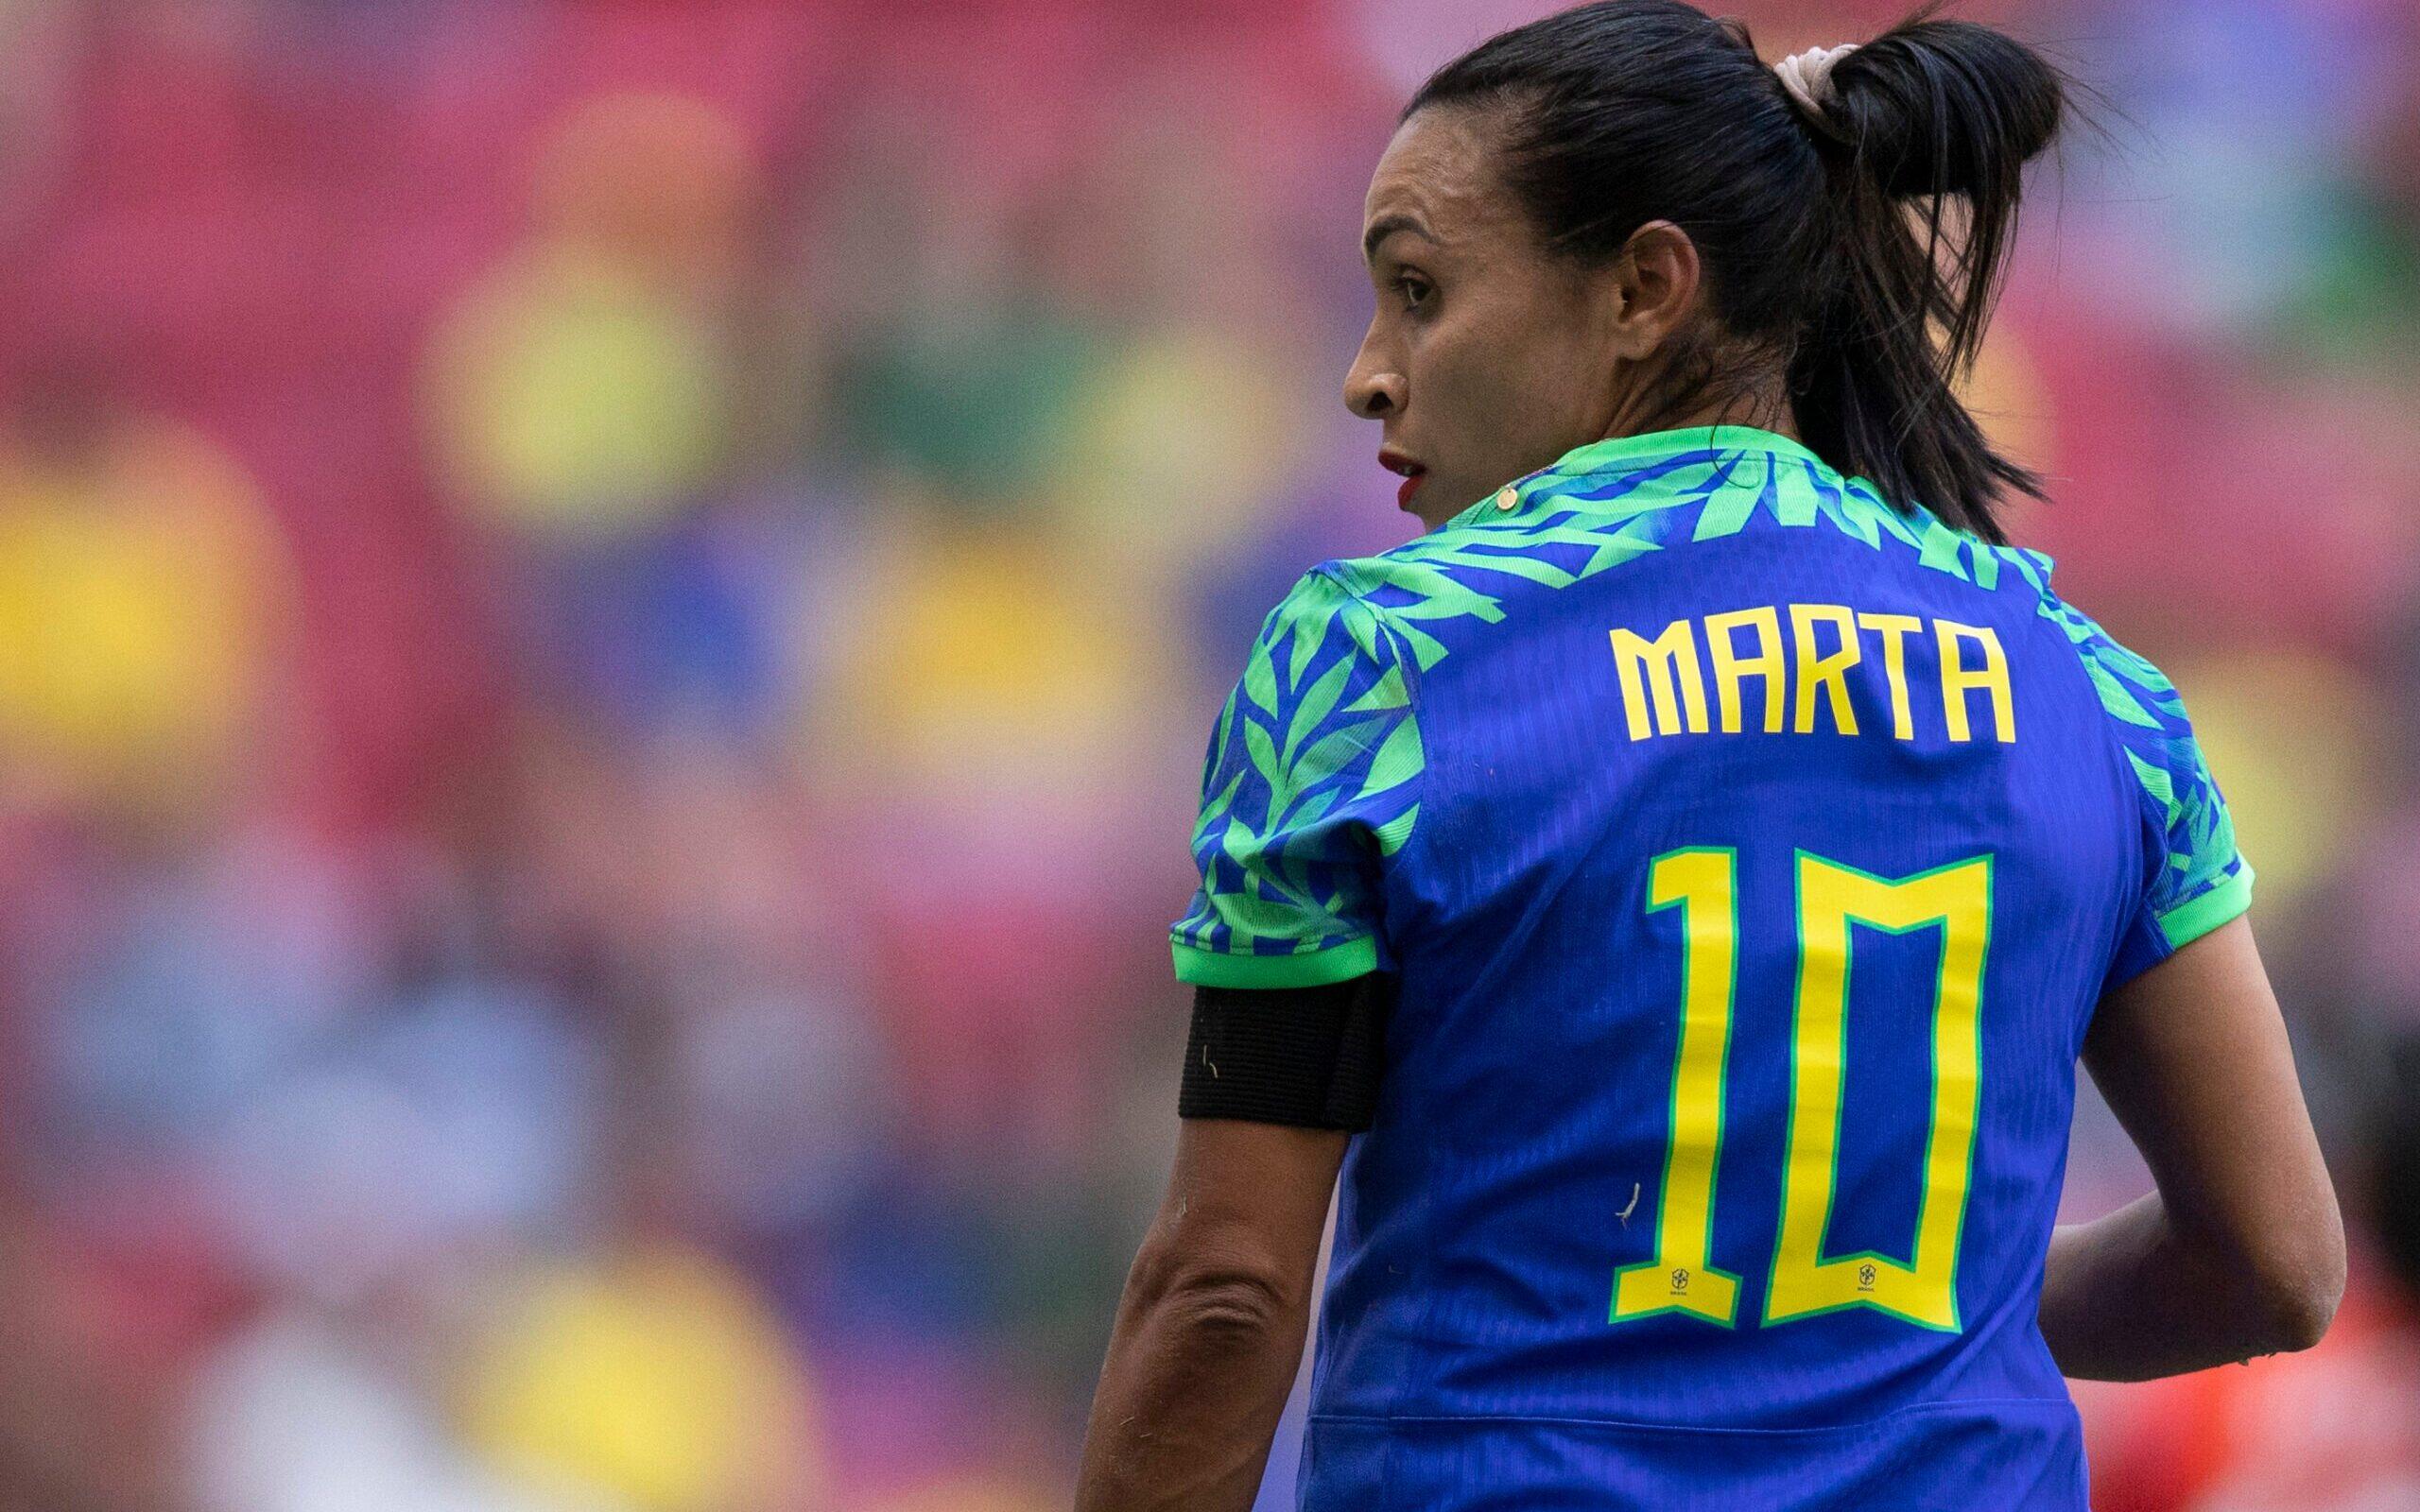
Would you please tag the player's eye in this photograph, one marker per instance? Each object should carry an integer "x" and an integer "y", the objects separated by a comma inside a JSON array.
[{"x": 1414, "y": 290}]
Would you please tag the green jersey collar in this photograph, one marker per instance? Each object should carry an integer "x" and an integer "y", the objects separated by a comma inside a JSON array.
[
  {"x": 1620, "y": 453},
  {"x": 1630, "y": 451}
]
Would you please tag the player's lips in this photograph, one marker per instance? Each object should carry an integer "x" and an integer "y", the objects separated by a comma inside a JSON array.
[{"x": 1411, "y": 473}]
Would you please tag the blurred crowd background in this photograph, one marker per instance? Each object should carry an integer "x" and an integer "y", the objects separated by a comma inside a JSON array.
[{"x": 609, "y": 613}]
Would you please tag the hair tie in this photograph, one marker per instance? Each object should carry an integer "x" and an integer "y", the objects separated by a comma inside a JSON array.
[{"x": 1808, "y": 77}]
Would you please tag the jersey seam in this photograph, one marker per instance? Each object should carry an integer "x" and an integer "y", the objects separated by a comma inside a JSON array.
[
  {"x": 1912, "y": 1409},
  {"x": 1247, "y": 962}
]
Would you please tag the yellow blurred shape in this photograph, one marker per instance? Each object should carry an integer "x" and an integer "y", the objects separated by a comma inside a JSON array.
[
  {"x": 656, "y": 1377},
  {"x": 1179, "y": 444},
  {"x": 2290, "y": 739},
  {"x": 981, "y": 659},
  {"x": 2010, "y": 400},
  {"x": 140, "y": 597},
  {"x": 572, "y": 397}
]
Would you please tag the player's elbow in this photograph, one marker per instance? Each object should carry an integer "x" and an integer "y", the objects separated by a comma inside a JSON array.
[
  {"x": 2294, "y": 1277},
  {"x": 1235, "y": 1311},
  {"x": 2295, "y": 1291},
  {"x": 1222, "y": 1296}
]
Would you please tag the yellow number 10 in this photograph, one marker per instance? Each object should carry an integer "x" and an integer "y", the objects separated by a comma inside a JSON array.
[{"x": 1702, "y": 883}]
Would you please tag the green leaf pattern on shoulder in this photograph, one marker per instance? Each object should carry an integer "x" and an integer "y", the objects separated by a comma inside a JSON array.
[
  {"x": 2148, "y": 716},
  {"x": 1312, "y": 777}
]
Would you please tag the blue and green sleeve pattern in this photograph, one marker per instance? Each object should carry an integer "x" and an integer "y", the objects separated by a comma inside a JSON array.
[
  {"x": 2199, "y": 879},
  {"x": 1311, "y": 782}
]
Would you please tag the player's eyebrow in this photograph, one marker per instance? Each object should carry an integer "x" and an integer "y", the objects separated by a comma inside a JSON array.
[{"x": 1386, "y": 226}]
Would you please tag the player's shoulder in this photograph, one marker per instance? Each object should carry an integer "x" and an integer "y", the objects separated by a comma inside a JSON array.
[
  {"x": 1468, "y": 571},
  {"x": 1324, "y": 609},
  {"x": 2136, "y": 699},
  {"x": 2204, "y": 873}
]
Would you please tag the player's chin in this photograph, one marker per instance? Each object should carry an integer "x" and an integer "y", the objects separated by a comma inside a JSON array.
[{"x": 1440, "y": 494}]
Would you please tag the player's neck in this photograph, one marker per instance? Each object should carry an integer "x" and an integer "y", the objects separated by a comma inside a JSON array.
[{"x": 1764, "y": 408}]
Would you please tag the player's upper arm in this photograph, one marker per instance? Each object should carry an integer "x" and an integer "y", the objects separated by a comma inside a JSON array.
[
  {"x": 2186, "y": 1042},
  {"x": 1240, "y": 1223},
  {"x": 2192, "y": 1056},
  {"x": 1310, "y": 782}
]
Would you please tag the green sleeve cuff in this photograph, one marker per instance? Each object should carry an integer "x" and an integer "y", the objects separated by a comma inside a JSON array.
[
  {"x": 2223, "y": 904},
  {"x": 1337, "y": 963}
]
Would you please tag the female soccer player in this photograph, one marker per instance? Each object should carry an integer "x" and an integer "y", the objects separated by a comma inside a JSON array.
[{"x": 1695, "y": 866}]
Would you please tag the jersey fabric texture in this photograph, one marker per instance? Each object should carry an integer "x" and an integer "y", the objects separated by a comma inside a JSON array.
[{"x": 1750, "y": 857}]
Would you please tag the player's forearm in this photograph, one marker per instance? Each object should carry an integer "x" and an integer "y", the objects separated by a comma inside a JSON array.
[
  {"x": 1194, "y": 1385},
  {"x": 2131, "y": 1296}
]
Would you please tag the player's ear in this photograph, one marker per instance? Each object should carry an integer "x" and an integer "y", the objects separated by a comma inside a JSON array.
[{"x": 1653, "y": 289}]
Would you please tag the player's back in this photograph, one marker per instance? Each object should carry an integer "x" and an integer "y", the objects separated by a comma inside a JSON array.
[{"x": 1750, "y": 858}]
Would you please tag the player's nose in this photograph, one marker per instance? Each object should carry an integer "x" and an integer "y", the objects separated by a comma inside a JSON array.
[{"x": 1373, "y": 388}]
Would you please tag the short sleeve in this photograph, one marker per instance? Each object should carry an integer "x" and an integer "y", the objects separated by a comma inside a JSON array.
[
  {"x": 2196, "y": 878},
  {"x": 1311, "y": 784}
]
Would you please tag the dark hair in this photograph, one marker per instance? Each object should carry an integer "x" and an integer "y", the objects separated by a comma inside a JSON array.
[{"x": 1857, "y": 254}]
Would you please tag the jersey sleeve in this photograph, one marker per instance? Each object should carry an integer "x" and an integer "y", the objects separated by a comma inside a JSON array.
[
  {"x": 2196, "y": 878},
  {"x": 1309, "y": 786}
]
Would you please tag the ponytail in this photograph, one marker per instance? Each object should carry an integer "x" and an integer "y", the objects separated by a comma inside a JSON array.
[{"x": 1926, "y": 133}]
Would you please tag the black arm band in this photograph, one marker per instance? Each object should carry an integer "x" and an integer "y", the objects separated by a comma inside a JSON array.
[{"x": 1306, "y": 1056}]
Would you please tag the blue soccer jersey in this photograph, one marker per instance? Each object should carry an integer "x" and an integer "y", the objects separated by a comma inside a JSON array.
[{"x": 1750, "y": 856}]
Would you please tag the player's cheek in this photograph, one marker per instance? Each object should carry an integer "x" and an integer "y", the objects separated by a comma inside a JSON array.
[
  {"x": 1528, "y": 371},
  {"x": 1481, "y": 384}
]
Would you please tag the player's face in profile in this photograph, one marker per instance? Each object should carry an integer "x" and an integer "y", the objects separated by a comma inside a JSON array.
[{"x": 1487, "y": 358}]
